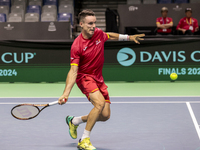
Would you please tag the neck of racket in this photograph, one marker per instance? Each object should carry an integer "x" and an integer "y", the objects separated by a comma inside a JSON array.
[
  {"x": 50, "y": 104},
  {"x": 53, "y": 103}
]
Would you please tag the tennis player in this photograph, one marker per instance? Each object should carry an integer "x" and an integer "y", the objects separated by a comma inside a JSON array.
[{"x": 87, "y": 58}]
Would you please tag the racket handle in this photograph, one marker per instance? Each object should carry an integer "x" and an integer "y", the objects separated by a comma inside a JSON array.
[{"x": 53, "y": 103}]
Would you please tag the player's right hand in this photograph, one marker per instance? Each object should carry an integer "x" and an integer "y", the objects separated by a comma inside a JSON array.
[
  {"x": 183, "y": 30},
  {"x": 196, "y": 29},
  {"x": 62, "y": 100}
]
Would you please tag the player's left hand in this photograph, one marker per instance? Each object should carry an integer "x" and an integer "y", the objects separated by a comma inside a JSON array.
[{"x": 136, "y": 38}]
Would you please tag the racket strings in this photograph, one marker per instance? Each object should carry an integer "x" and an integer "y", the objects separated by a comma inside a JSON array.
[{"x": 25, "y": 111}]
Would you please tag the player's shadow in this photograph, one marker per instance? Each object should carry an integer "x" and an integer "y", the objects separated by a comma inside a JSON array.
[
  {"x": 102, "y": 148},
  {"x": 70, "y": 145},
  {"x": 75, "y": 145}
]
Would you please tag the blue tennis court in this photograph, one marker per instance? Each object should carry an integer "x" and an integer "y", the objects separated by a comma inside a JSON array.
[{"x": 136, "y": 123}]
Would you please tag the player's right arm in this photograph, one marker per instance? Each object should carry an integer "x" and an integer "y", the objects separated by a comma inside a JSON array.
[
  {"x": 196, "y": 26},
  {"x": 161, "y": 26},
  {"x": 72, "y": 74},
  {"x": 168, "y": 25},
  {"x": 70, "y": 81},
  {"x": 183, "y": 30},
  {"x": 158, "y": 24},
  {"x": 179, "y": 27},
  {"x": 164, "y": 26}
]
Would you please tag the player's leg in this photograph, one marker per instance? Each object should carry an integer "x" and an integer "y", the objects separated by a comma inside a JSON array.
[
  {"x": 97, "y": 95},
  {"x": 98, "y": 102},
  {"x": 72, "y": 127},
  {"x": 104, "y": 116},
  {"x": 73, "y": 122}
]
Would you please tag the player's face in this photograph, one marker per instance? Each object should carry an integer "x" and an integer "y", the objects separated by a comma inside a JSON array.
[
  {"x": 164, "y": 14},
  {"x": 89, "y": 25},
  {"x": 188, "y": 14}
]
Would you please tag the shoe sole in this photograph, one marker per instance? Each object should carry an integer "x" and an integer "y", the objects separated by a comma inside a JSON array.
[
  {"x": 82, "y": 148},
  {"x": 69, "y": 128}
]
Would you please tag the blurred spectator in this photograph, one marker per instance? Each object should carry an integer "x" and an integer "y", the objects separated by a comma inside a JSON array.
[
  {"x": 164, "y": 23},
  {"x": 187, "y": 25}
]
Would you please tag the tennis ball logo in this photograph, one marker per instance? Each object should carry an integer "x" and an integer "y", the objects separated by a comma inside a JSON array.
[{"x": 126, "y": 56}]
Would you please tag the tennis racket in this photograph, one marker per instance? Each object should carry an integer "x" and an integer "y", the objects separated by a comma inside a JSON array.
[{"x": 29, "y": 111}]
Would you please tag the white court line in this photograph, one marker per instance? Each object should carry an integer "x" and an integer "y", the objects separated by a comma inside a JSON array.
[
  {"x": 193, "y": 118},
  {"x": 12, "y": 103},
  {"x": 149, "y": 102},
  {"x": 110, "y": 96}
]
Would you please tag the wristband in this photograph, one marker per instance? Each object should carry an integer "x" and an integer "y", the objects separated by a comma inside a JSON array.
[{"x": 123, "y": 37}]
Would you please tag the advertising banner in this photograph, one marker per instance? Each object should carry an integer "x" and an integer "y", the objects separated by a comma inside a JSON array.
[{"x": 124, "y": 61}]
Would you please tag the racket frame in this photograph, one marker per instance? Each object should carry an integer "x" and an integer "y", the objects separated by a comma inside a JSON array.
[{"x": 33, "y": 105}]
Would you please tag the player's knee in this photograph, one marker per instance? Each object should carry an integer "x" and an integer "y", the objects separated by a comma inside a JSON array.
[{"x": 100, "y": 105}]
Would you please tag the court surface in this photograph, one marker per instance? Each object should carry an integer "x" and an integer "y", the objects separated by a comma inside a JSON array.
[{"x": 136, "y": 123}]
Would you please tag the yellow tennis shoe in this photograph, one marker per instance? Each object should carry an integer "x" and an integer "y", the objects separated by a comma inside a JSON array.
[
  {"x": 72, "y": 127},
  {"x": 85, "y": 144}
]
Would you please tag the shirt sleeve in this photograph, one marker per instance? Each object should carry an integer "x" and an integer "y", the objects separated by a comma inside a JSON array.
[
  {"x": 75, "y": 56},
  {"x": 179, "y": 25},
  {"x": 157, "y": 21},
  {"x": 196, "y": 24},
  {"x": 105, "y": 36},
  {"x": 171, "y": 20}
]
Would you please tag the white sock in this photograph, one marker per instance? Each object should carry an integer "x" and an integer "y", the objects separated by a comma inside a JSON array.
[
  {"x": 86, "y": 134},
  {"x": 77, "y": 120}
]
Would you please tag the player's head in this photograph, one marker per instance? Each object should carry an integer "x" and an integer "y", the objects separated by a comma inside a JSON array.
[
  {"x": 188, "y": 12},
  {"x": 164, "y": 12},
  {"x": 87, "y": 21}
]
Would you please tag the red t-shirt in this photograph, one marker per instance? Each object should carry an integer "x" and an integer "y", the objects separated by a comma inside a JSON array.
[
  {"x": 88, "y": 55},
  {"x": 188, "y": 24},
  {"x": 162, "y": 20}
]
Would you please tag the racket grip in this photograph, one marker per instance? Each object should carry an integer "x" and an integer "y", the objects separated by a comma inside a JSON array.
[{"x": 53, "y": 103}]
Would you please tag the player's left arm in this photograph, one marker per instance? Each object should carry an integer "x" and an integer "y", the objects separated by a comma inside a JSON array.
[
  {"x": 169, "y": 25},
  {"x": 123, "y": 37}
]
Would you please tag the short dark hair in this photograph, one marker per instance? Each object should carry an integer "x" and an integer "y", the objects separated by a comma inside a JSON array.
[{"x": 85, "y": 13}]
